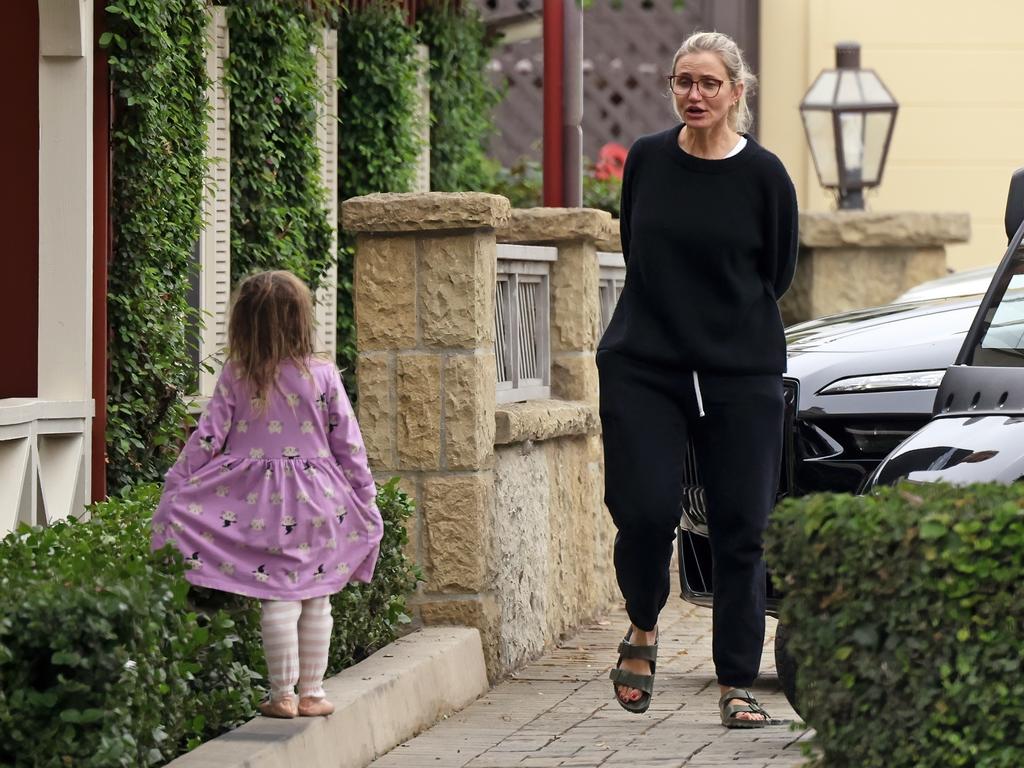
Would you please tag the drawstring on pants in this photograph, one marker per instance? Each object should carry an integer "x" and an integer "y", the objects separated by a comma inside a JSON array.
[{"x": 696, "y": 391}]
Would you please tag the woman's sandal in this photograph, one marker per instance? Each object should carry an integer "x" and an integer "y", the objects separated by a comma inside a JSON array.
[
  {"x": 729, "y": 711},
  {"x": 643, "y": 683},
  {"x": 284, "y": 709},
  {"x": 315, "y": 707}
]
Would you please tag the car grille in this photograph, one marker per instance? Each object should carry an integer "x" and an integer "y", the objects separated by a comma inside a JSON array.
[{"x": 694, "y": 505}]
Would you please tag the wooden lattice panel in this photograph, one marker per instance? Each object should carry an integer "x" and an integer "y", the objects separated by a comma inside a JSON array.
[{"x": 626, "y": 54}]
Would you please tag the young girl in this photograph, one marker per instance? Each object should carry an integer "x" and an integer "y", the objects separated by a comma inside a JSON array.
[{"x": 272, "y": 497}]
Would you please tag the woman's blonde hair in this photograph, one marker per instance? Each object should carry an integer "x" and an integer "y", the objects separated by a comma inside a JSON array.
[
  {"x": 740, "y": 116},
  {"x": 271, "y": 321}
]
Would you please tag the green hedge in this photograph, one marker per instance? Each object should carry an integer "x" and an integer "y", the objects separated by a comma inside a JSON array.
[
  {"x": 109, "y": 658},
  {"x": 377, "y": 144},
  {"x": 462, "y": 98},
  {"x": 158, "y": 70},
  {"x": 278, "y": 208},
  {"x": 906, "y": 615}
]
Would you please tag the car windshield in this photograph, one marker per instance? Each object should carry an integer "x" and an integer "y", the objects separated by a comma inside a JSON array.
[{"x": 1002, "y": 342}]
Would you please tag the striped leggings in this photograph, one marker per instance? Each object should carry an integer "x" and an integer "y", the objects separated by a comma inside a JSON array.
[{"x": 296, "y": 638}]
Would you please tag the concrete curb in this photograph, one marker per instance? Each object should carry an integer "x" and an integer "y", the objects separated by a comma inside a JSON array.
[{"x": 399, "y": 691}]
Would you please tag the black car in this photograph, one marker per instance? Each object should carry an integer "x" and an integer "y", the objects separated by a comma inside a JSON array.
[
  {"x": 858, "y": 384},
  {"x": 977, "y": 432}
]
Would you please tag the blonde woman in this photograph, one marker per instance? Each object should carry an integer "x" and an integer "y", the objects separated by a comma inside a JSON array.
[{"x": 696, "y": 350}]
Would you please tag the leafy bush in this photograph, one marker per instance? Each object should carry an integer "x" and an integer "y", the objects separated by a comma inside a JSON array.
[
  {"x": 523, "y": 185},
  {"x": 278, "y": 207},
  {"x": 109, "y": 658},
  {"x": 377, "y": 143},
  {"x": 905, "y": 611},
  {"x": 462, "y": 99},
  {"x": 158, "y": 140}
]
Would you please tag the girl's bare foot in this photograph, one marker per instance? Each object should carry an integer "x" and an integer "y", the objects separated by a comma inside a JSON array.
[
  {"x": 311, "y": 707},
  {"x": 282, "y": 708}
]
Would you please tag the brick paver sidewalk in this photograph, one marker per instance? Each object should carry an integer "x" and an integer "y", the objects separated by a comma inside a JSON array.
[{"x": 559, "y": 711}]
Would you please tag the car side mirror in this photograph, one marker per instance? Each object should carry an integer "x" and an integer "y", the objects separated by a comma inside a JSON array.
[{"x": 1014, "y": 215}]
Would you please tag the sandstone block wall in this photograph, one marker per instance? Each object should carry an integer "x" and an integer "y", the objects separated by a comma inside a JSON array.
[
  {"x": 856, "y": 259},
  {"x": 510, "y": 528}
]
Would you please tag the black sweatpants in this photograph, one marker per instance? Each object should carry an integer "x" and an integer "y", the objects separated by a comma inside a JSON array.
[{"x": 647, "y": 413}]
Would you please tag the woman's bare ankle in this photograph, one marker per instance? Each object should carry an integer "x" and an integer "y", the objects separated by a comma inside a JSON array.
[{"x": 642, "y": 637}]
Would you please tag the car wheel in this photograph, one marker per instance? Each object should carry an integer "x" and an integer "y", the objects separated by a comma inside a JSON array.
[{"x": 785, "y": 666}]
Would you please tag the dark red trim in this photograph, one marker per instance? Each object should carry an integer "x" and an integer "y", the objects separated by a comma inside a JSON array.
[
  {"x": 554, "y": 54},
  {"x": 102, "y": 252},
  {"x": 19, "y": 201}
]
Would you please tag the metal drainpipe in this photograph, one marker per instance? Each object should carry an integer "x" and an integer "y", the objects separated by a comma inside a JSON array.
[
  {"x": 572, "y": 129},
  {"x": 554, "y": 192}
]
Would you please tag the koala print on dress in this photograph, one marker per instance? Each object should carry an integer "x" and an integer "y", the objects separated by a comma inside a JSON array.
[
  {"x": 288, "y": 523},
  {"x": 261, "y": 574},
  {"x": 229, "y": 518},
  {"x": 274, "y": 427}
]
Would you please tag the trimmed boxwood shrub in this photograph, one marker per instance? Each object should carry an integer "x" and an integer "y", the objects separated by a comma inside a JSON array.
[
  {"x": 109, "y": 658},
  {"x": 906, "y": 618}
]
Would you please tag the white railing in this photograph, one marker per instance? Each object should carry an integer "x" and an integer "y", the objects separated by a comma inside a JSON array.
[
  {"x": 612, "y": 278},
  {"x": 522, "y": 322},
  {"x": 44, "y": 460}
]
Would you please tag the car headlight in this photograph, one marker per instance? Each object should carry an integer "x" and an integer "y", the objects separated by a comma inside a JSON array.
[{"x": 882, "y": 382}]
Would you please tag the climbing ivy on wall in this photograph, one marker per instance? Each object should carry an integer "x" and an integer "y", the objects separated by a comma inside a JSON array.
[
  {"x": 158, "y": 70},
  {"x": 278, "y": 208},
  {"x": 378, "y": 145},
  {"x": 462, "y": 98}
]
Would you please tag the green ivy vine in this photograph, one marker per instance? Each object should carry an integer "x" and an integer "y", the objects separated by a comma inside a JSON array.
[
  {"x": 158, "y": 70},
  {"x": 377, "y": 145},
  {"x": 462, "y": 98},
  {"x": 278, "y": 208}
]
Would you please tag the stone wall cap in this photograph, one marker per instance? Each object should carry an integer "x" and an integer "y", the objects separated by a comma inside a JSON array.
[
  {"x": 832, "y": 229},
  {"x": 552, "y": 225},
  {"x": 611, "y": 241},
  {"x": 424, "y": 211},
  {"x": 543, "y": 420}
]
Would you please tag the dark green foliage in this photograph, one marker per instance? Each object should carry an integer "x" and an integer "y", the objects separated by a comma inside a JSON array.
[
  {"x": 158, "y": 69},
  {"x": 523, "y": 185},
  {"x": 906, "y": 612},
  {"x": 377, "y": 144},
  {"x": 462, "y": 99},
  {"x": 278, "y": 209},
  {"x": 109, "y": 658}
]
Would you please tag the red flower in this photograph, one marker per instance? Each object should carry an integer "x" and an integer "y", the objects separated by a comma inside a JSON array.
[{"x": 610, "y": 161}]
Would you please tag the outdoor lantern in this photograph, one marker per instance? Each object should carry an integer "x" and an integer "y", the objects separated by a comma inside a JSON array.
[{"x": 848, "y": 115}]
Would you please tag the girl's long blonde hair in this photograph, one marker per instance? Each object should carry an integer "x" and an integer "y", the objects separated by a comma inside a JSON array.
[{"x": 271, "y": 322}]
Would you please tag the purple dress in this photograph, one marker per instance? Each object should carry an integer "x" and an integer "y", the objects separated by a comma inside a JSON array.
[{"x": 277, "y": 505}]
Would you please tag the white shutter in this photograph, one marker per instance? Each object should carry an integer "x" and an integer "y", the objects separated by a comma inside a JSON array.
[
  {"x": 215, "y": 243},
  {"x": 327, "y": 141}
]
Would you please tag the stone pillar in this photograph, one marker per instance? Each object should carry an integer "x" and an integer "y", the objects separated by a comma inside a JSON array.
[
  {"x": 425, "y": 273},
  {"x": 575, "y": 310},
  {"x": 856, "y": 259}
]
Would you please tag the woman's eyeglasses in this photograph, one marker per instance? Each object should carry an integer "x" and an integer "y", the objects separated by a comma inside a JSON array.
[{"x": 708, "y": 87}]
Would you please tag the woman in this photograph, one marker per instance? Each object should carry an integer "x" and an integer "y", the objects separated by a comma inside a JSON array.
[{"x": 696, "y": 350}]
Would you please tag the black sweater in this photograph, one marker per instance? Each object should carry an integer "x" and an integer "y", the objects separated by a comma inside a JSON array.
[{"x": 710, "y": 245}]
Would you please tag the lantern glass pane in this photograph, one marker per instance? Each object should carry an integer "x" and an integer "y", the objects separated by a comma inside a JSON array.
[
  {"x": 851, "y": 129},
  {"x": 849, "y": 92},
  {"x": 821, "y": 138},
  {"x": 822, "y": 90},
  {"x": 876, "y": 133},
  {"x": 873, "y": 89}
]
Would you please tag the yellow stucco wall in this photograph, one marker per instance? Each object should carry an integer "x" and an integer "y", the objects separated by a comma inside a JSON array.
[{"x": 953, "y": 67}]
